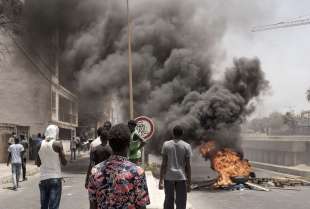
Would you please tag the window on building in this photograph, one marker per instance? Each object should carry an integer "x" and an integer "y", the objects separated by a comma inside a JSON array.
[{"x": 67, "y": 110}]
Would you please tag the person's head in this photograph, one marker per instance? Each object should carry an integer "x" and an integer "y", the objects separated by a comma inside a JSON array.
[
  {"x": 14, "y": 134},
  {"x": 52, "y": 132},
  {"x": 132, "y": 125},
  {"x": 16, "y": 140},
  {"x": 177, "y": 131},
  {"x": 99, "y": 131},
  {"x": 119, "y": 138},
  {"x": 22, "y": 137},
  {"x": 107, "y": 125},
  {"x": 39, "y": 135}
]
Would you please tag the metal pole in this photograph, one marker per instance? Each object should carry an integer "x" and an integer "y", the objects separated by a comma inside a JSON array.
[{"x": 130, "y": 64}]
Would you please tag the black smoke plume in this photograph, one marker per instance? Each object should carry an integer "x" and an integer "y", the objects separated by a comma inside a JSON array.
[{"x": 175, "y": 46}]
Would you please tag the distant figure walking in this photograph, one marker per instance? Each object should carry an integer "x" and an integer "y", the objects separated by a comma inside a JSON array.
[
  {"x": 37, "y": 142},
  {"x": 12, "y": 139},
  {"x": 16, "y": 152},
  {"x": 175, "y": 172},
  {"x": 25, "y": 144},
  {"x": 136, "y": 144},
  {"x": 117, "y": 182},
  {"x": 106, "y": 127},
  {"x": 73, "y": 146},
  {"x": 78, "y": 145},
  {"x": 51, "y": 155}
]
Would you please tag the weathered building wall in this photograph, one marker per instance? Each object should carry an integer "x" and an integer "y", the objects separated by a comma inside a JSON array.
[{"x": 25, "y": 93}]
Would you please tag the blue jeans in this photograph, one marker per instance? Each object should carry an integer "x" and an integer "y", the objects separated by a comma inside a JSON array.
[
  {"x": 50, "y": 192},
  {"x": 16, "y": 167}
]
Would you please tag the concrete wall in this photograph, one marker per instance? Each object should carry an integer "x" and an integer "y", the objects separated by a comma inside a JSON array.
[
  {"x": 25, "y": 95},
  {"x": 286, "y": 151}
]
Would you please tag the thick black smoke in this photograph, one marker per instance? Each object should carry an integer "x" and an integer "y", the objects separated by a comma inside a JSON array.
[{"x": 175, "y": 46}]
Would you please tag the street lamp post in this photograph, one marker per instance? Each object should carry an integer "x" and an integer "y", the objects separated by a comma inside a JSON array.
[{"x": 130, "y": 64}]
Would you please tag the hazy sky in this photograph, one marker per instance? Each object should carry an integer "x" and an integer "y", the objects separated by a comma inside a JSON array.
[{"x": 284, "y": 53}]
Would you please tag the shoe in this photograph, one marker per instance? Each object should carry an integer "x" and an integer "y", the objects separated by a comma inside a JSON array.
[{"x": 15, "y": 188}]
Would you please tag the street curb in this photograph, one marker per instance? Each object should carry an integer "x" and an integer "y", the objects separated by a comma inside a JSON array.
[
  {"x": 8, "y": 179},
  {"x": 282, "y": 169}
]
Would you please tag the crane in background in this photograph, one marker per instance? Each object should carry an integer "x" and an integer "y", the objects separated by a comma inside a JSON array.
[{"x": 304, "y": 20}]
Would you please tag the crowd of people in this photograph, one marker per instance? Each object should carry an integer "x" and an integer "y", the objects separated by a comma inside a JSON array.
[{"x": 114, "y": 177}]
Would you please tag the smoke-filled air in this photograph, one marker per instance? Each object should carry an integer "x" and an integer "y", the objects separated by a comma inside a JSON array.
[{"x": 176, "y": 45}]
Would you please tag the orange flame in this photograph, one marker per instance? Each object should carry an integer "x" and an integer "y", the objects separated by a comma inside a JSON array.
[{"x": 226, "y": 163}]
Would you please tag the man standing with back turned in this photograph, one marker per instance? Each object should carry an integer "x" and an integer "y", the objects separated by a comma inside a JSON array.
[
  {"x": 51, "y": 155},
  {"x": 116, "y": 182},
  {"x": 175, "y": 172}
]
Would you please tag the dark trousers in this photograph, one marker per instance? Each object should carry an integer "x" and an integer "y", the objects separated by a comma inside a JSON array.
[
  {"x": 50, "y": 193},
  {"x": 175, "y": 192},
  {"x": 73, "y": 154},
  {"x": 24, "y": 168}
]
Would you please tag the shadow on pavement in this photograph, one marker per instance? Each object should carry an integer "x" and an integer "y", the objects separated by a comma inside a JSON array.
[{"x": 8, "y": 188}]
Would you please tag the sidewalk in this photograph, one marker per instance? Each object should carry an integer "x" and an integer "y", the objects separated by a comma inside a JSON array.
[
  {"x": 6, "y": 175},
  {"x": 157, "y": 196}
]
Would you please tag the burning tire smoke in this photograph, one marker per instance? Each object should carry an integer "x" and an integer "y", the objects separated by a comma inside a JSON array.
[{"x": 175, "y": 47}]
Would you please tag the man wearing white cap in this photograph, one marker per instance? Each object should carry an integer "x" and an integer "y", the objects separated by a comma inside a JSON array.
[{"x": 51, "y": 156}]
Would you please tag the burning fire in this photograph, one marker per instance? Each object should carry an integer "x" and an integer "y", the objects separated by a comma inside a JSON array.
[{"x": 225, "y": 162}]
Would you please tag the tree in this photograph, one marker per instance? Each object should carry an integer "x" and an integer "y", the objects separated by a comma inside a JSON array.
[{"x": 308, "y": 95}]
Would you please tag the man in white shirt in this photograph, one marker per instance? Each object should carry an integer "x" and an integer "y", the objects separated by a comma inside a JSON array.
[
  {"x": 16, "y": 152},
  {"x": 106, "y": 127},
  {"x": 51, "y": 156}
]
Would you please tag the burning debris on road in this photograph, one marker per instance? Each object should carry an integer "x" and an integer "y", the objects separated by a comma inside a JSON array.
[
  {"x": 226, "y": 162},
  {"x": 236, "y": 173}
]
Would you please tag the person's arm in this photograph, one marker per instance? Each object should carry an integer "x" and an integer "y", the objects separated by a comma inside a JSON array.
[
  {"x": 92, "y": 190},
  {"x": 90, "y": 166},
  {"x": 188, "y": 173},
  {"x": 163, "y": 169},
  {"x": 57, "y": 146},
  {"x": 188, "y": 168},
  {"x": 38, "y": 160},
  {"x": 9, "y": 159},
  {"x": 142, "y": 142}
]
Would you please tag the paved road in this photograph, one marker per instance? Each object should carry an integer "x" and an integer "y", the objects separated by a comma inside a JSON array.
[
  {"x": 250, "y": 199},
  {"x": 27, "y": 197},
  {"x": 75, "y": 197}
]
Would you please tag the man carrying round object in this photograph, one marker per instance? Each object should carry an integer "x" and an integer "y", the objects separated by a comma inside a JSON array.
[{"x": 136, "y": 143}]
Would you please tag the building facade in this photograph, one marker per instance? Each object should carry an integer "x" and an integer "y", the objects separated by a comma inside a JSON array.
[{"x": 31, "y": 96}]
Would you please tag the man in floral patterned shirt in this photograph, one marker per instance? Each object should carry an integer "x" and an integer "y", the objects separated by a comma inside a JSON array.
[{"x": 117, "y": 183}]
